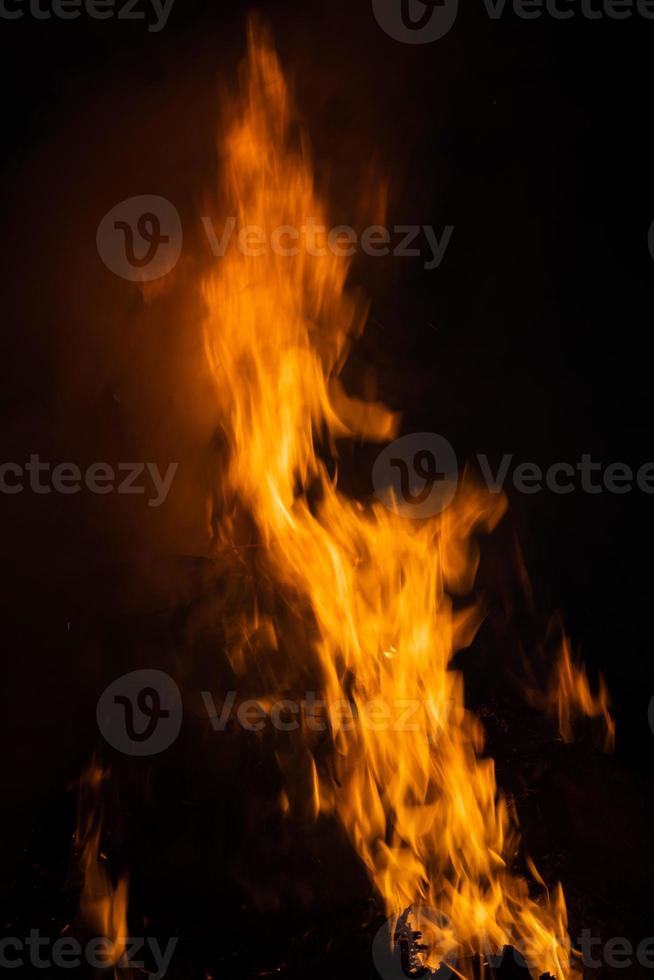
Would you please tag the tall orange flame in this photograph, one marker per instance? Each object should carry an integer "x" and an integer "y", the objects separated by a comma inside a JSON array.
[{"x": 420, "y": 804}]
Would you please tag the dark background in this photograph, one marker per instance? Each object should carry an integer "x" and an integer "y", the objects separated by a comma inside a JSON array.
[{"x": 532, "y": 338}]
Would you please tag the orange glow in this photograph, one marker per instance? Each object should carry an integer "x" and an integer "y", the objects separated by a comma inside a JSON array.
[
  {"x": 569, "y": 697},
  {"x": 367, "y": 591},
  {"x": 103, "y": 907}
]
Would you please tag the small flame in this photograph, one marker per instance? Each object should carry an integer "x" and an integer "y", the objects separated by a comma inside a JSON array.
[
  {"x": 103, "y": 907},
  {"x": 366, "y": 592},
  {"x": 569, "y": 697}
]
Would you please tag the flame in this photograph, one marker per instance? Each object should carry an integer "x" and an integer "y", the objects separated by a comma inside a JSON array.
[
  {"x": 371, "y": 590},
  {"x": 103, "y": 907},
  {"x": 569, "y": 697}
]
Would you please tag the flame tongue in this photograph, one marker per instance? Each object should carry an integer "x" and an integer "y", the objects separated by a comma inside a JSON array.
[
  {"x": 569, "y": 697},
  {"x": 103, "y": 906},
  {"x": 419, "y": 804}
]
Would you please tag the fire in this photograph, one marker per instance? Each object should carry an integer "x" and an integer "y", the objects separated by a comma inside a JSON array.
[
  {"x": 368, "y": 592},
  {"x": 569, "y": 696},
  {"x": 103, "y": 907}
]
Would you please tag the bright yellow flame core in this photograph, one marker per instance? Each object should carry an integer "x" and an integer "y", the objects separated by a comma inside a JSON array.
[{"x": 420, "y": 806}]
